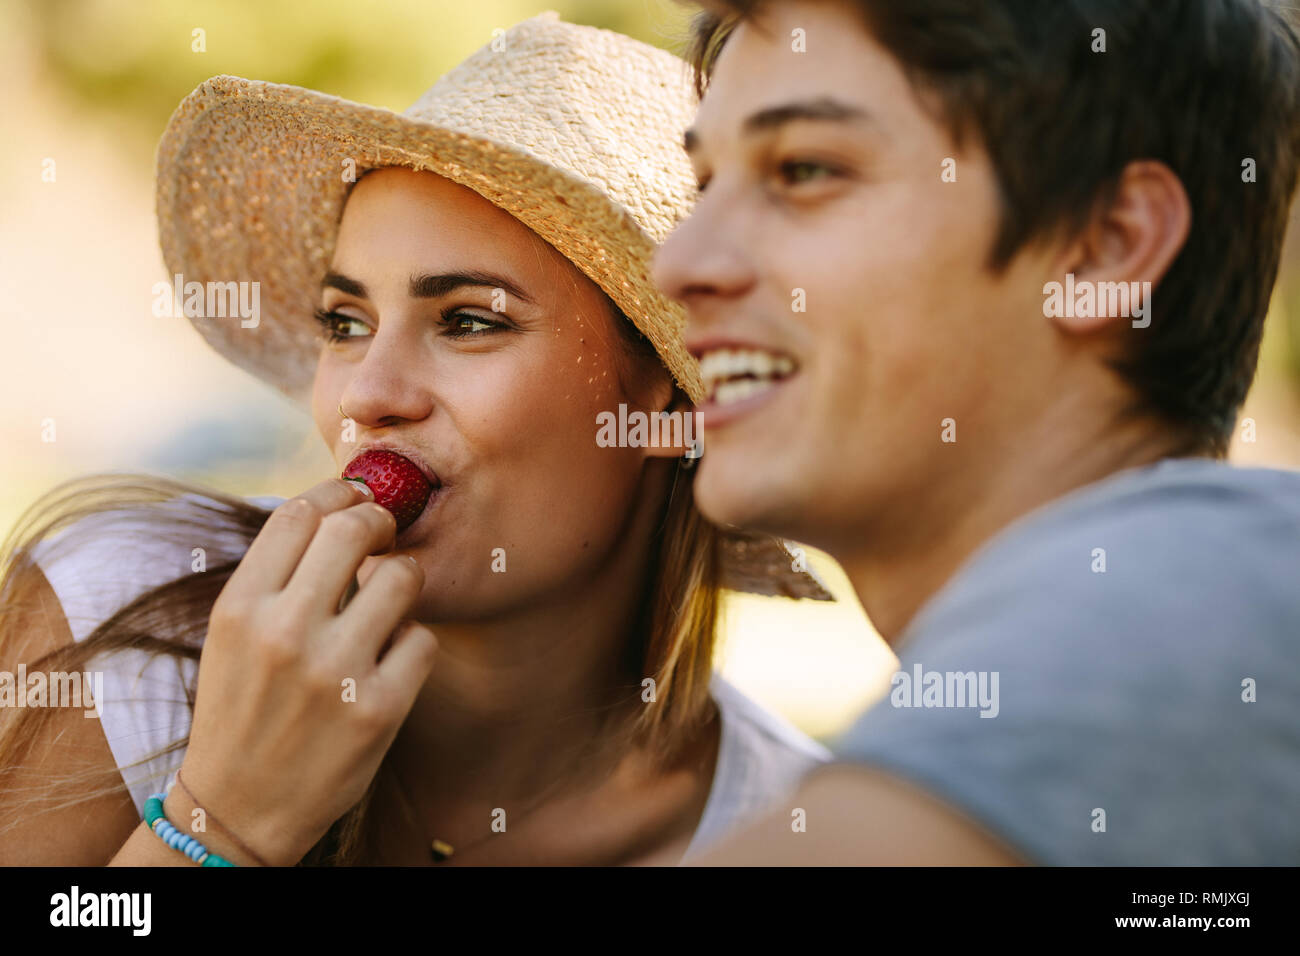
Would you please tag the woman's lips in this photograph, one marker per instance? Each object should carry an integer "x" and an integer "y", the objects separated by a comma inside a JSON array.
[{"x": 397, "y": 483}]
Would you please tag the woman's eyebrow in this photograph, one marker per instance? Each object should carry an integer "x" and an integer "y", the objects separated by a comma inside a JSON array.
[
  {"x": 336, "y": 280},
  {"x": 429, "y": 286},
  {"x": 434, "y": 286}
]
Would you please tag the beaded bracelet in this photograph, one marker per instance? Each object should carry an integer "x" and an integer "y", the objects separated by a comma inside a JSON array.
[
  {"x": 176, "y": 778},
  {"x": 158, "y": 823}
]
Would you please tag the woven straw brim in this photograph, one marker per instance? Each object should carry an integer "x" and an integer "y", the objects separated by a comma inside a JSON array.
[
  {"x": 251, "y": 189},
  {"x": 760, "y": 564}
]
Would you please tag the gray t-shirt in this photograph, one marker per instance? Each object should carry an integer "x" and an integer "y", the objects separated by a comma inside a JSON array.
[{"x": 1138, "y": 644}]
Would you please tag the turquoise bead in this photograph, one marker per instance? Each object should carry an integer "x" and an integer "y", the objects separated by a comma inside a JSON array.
[{"x": 156, "y": 819}]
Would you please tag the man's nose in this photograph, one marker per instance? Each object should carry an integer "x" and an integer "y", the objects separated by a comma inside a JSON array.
[{"x": 703, "y": 258}]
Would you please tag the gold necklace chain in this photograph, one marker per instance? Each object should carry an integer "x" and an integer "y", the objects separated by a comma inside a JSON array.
[{"x": 440, "y": 850}]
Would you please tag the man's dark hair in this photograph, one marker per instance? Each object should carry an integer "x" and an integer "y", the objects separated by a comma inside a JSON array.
[{"x": 1200, "y": 85}]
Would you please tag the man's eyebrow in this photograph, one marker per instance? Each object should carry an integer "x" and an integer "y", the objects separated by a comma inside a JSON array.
[
  {"x": 430, "y": 286},
  {"x": 823, "y": 109}
]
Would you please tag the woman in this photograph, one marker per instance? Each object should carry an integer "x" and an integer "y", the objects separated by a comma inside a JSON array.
[{"x": 478, "y": 268}]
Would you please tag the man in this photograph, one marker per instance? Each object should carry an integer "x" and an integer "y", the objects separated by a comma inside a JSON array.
[{"x": 978, "y": 289}]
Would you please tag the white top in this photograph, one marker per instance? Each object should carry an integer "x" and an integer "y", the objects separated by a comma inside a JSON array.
[{"x": 113, "y": 559}]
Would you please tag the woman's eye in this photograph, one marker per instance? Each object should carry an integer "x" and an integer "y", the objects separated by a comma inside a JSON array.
[
  {"x": 336, "y": 327},
  {"x": 465, "y": 324}
]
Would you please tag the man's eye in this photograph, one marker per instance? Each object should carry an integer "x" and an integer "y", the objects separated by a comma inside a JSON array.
[{"x": 796, "y": 171}]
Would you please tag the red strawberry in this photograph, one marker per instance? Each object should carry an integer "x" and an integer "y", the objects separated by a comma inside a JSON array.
[{"x": 398, "y": 485}]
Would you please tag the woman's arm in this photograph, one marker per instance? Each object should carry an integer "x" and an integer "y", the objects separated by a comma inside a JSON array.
[
  {"x": 34, "y": 830},
  {"x": 276, "y": 746}
]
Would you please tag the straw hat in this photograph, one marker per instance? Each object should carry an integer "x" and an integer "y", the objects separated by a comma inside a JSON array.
[{"x": 573, "y": 130}]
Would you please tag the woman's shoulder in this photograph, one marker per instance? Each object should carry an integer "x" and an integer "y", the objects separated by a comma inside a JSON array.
[
  {"x": 761, "y": 759},
  {"x": 764, "y": 733},
  {"x": 105, "y": 560}
]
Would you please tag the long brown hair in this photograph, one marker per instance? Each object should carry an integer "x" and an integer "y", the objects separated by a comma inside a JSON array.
[{"x": 674, "y": 639}]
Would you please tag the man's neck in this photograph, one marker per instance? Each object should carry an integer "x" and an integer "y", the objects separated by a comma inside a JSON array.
[{"x": 911, "y": 561}]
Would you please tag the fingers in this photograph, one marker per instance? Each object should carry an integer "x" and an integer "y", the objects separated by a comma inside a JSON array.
[
  {"x": 342, "y": 541},
  {"x": 270, "y": 561},
  {"x": 408, "y": 662},
  {"x": 380, "y": 605}
]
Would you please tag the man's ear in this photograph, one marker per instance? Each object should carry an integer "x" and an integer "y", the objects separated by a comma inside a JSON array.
[{"x": 1126, "y": 248}]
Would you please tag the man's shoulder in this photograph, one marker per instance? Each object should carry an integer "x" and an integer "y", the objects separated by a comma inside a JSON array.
[
  {"x": 1179, "y": 497},
  {"x": 1184, "y": 497},
  {"x": 1201, "y": 546},
  {"x": 1138, "y": 646}
]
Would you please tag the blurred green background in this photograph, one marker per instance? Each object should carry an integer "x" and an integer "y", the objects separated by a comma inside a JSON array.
[{"x": 90, "y": 85}]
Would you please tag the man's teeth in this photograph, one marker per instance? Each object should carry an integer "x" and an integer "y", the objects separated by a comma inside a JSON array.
[
  {"x": 729, "y": 392},
  {"x": 731, "y": 375}
]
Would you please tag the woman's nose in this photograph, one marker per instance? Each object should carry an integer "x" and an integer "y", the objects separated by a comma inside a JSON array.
[{"x": 392, "y": 382}]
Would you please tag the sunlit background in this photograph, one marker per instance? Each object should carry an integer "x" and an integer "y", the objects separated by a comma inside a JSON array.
[{"x": 91, "y": 85}]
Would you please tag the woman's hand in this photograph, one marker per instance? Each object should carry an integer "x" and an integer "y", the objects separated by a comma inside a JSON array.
[{"x": 294, "y": 712}]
